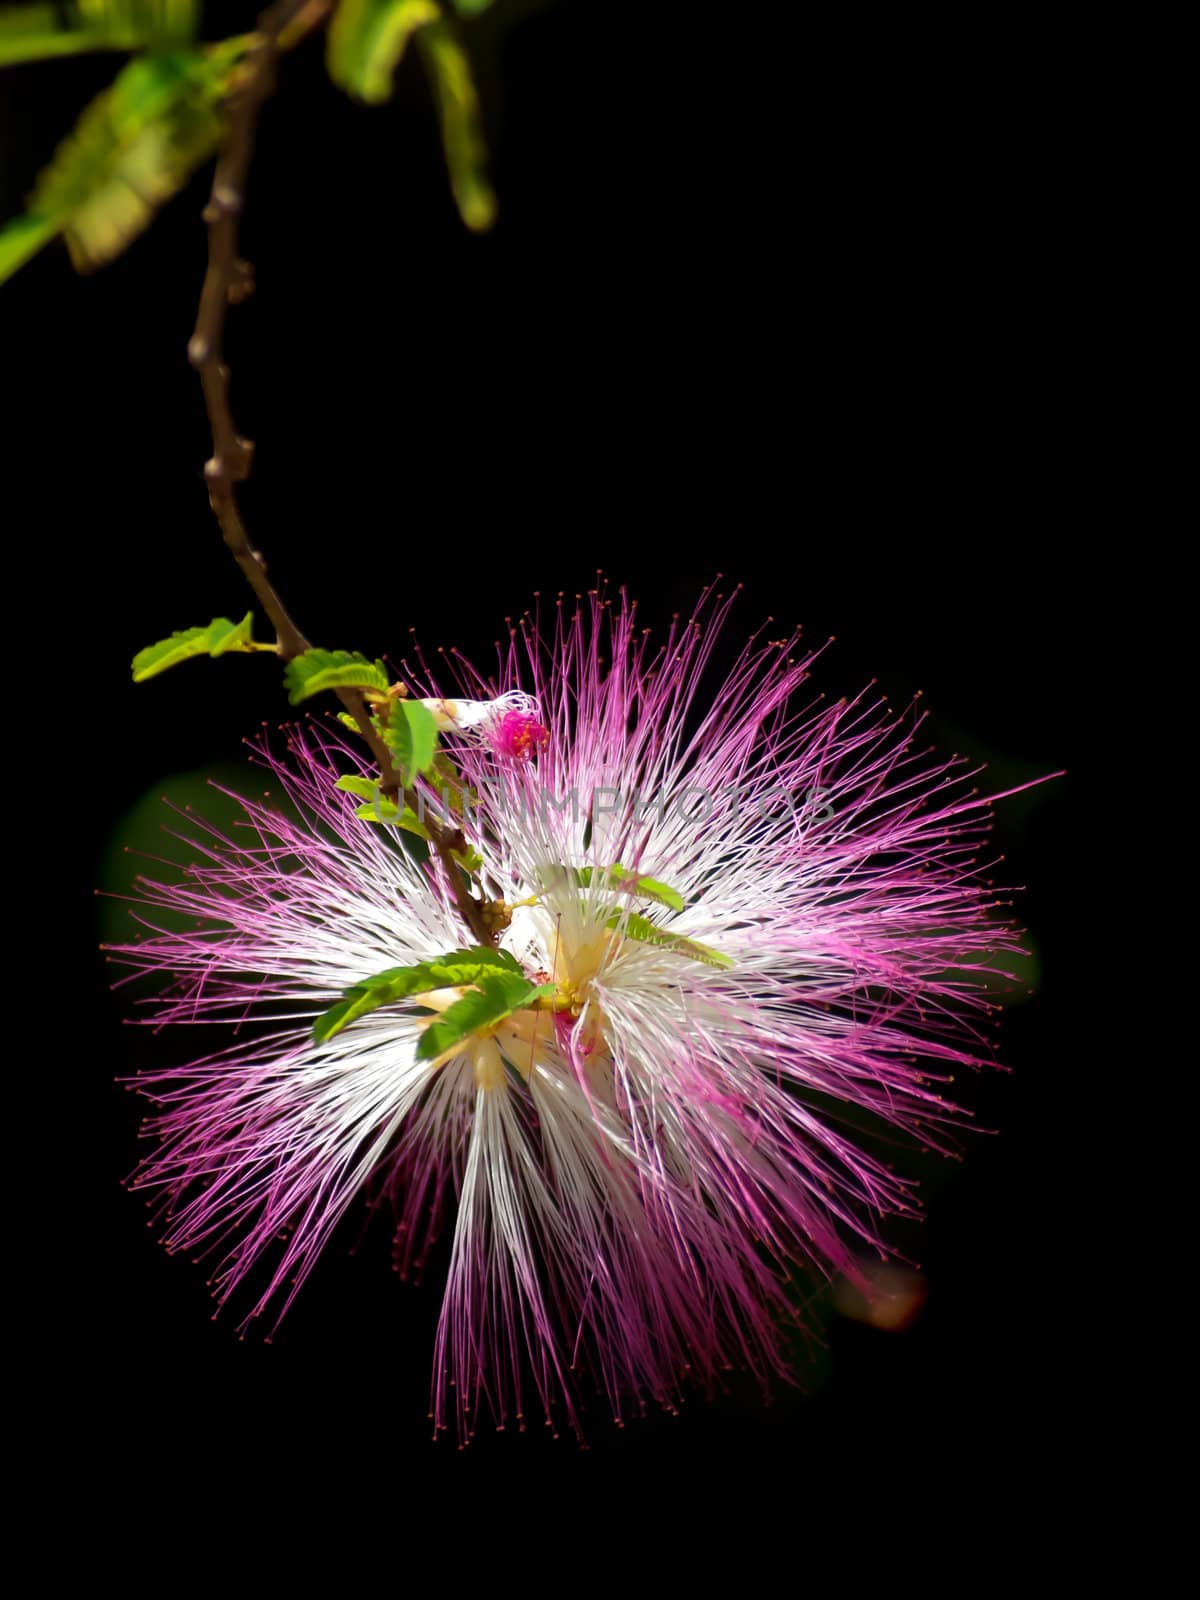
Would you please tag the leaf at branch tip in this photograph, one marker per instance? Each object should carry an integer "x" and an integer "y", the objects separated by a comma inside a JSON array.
[
  {"x": 497, "y": 997},
  {"x": 647, "y": 932},
  {"x": 411, "y": 736},
  {"x": 367, "y": 39},
  {"x": 133, "y": 148},
  {"x": 218, "y": 639},
  {"x": 315, "y": 670},
  {"x": 462, "y": 125},
  {"x": 39, "y": 32},
  {"x": 455, "y": 968}
]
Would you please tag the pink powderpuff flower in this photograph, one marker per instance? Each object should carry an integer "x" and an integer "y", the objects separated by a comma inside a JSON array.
[
  {"x": 509, "y": 723},
  {"x": 755, "y": 909}
]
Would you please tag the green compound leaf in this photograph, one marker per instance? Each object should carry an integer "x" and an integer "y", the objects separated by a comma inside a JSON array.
[
  {"x": 405, "y": 983},
  {"x": 307, "y": 674},
  {"x": 39, "y": 32},
  {"x": 411, "y": 735},
  {"x": 133, "y": 148},
  {"x": 497, "y": 997},
  {"x": 218, "y": 639},
  {"x": 462, "y": 124},
  {"x": 366, "y": 41},
  {"x": 647, "y": 932}
]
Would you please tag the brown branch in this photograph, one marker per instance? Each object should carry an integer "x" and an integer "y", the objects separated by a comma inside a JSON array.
[{"x": 227, "y": 281}]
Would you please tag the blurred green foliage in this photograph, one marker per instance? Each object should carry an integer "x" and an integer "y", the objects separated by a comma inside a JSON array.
[
  {"x": 133, "y": 148},
  {"x": 139, "y": 141},
  {"x": 39, "y": 32},
  {"x": 156, "y": 837}
]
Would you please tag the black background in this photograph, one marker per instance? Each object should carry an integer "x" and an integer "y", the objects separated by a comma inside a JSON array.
[{"x": 804, "y": 307}]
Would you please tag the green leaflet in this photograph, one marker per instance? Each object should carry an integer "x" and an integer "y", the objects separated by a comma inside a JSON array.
[
  {"x": 405, "y": 983},
  {"x": 469, "y": 860},
  {"x": 384, "y": 810},
  {"x": 133, "y": 148},
  {"x": 366, "y": 40},
  {"x": 411, "y": 735},
  {"x": 631, "y": 882},
  {"x": 364, "y": 45},
  {"x": 364, "y": 788},
  {"x": 379, "y": 808},
  {"x": 445, "y": 769},
  {"x": 653, "y": 889},
  {"x": 462, "y": 124},
  {"x": 181, "y": 646},
  {"x": 452, "y": 787},
  {"x": 499, "y": 994},
  {"x": 38, "y": 32},
  {"x": 224, "y": 635},
  {"x": 23, "y": 238},
  {"x": 641, "y": 928},
  {"x": 218, "y": 639},
  {"x": 307, "y": 674}
]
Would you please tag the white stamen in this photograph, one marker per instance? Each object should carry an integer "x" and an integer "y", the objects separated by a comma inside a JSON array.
[{"x": 465, "y": 715}]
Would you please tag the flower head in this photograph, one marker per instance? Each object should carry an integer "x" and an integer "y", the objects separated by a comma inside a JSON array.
[
  {"x": 725, "y": 920},
  {"x": 508, "y": 724}
]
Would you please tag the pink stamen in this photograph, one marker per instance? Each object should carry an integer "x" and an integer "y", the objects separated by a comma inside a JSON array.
[{"x": 517, "y": 735}]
